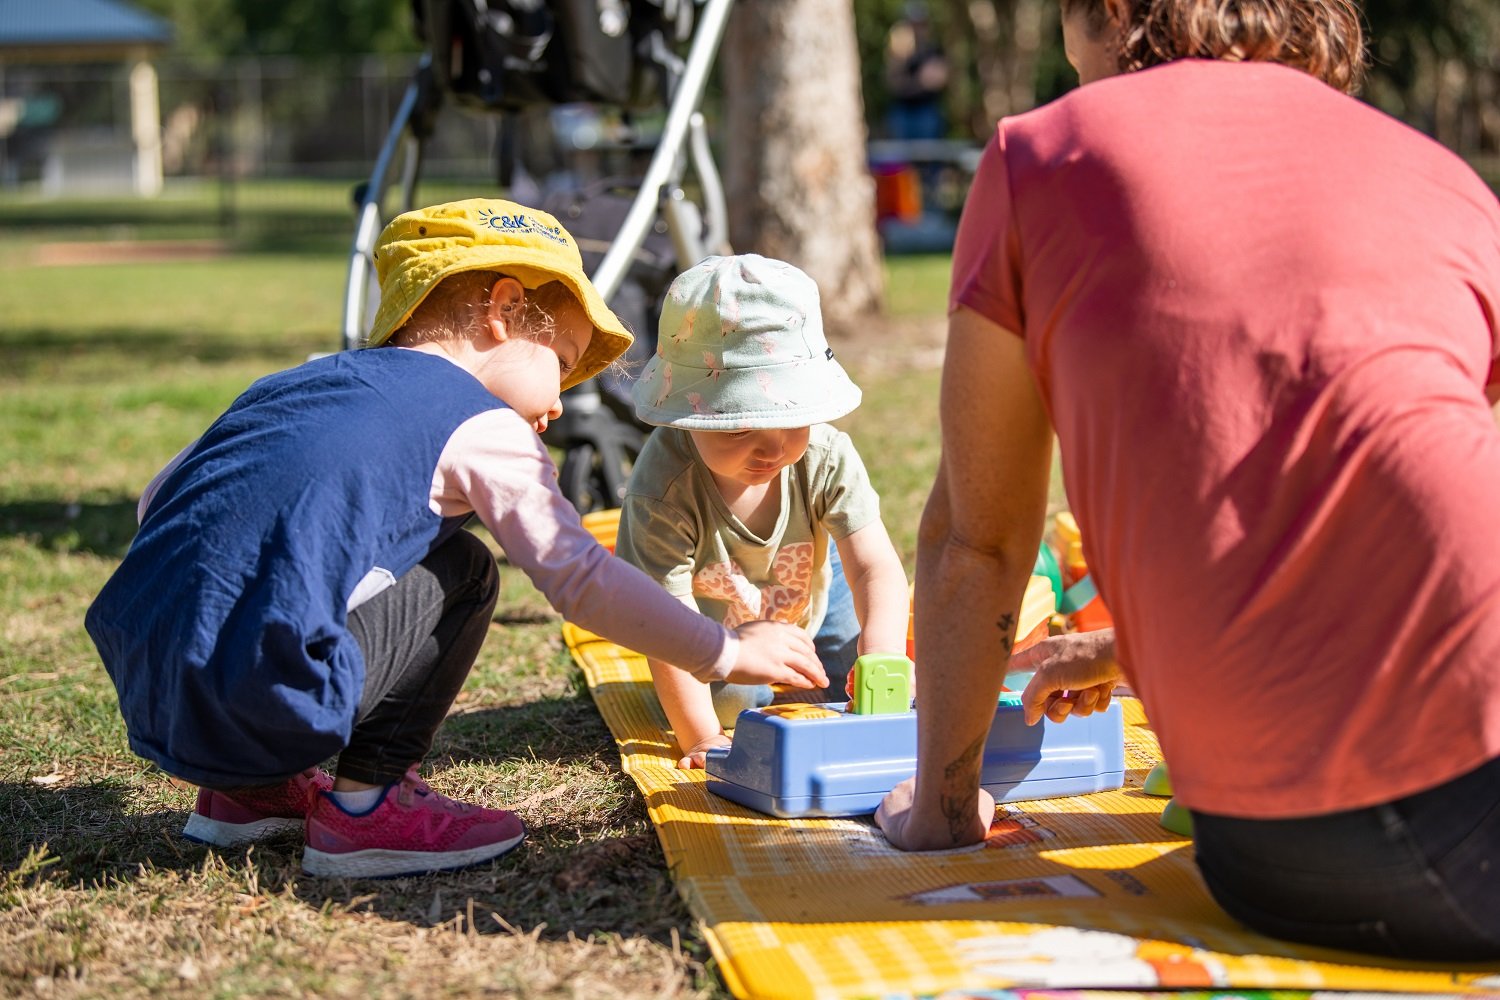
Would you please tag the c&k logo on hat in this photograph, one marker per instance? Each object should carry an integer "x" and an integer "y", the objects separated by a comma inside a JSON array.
[{"x": 519, "y": 223}]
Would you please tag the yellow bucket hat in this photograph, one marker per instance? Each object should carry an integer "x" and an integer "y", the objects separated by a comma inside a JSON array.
[{"x": 418, "y": 249}]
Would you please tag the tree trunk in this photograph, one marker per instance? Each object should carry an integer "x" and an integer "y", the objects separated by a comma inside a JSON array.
[
  {"x": 1007, "y": 42},
  {"x": 795, "y": 173}
]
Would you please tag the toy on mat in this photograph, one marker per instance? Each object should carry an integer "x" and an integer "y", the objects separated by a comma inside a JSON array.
[
  {"x": 1174, "y": 817},
  {"x": 1158, "y": 781},
  {"x": 844, "y": 763},
  {"x": 882, "y": 684},
  {"x": 1177, "y": 819},
  {"x": 1079, "y": 600}
]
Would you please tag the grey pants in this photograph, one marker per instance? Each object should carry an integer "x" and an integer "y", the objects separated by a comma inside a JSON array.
[{"x": 420, "y": 638}]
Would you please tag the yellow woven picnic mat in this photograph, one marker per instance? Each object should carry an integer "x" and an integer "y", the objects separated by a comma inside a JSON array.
[{"x": 1069, "y": 893}]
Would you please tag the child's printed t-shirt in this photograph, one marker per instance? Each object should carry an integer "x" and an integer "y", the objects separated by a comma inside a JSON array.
[{"x": 677, "y": 528}]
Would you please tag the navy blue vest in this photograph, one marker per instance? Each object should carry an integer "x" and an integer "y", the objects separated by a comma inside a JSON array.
[{"x": 224, "y": 628}]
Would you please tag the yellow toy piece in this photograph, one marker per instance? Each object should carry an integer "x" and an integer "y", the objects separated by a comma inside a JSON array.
[
  {"x": 800, "y": 710},
  {"x": 604, "y": 525}
]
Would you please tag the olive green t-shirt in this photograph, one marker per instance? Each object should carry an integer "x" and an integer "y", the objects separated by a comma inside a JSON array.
[{"x": 677, "y": 528}]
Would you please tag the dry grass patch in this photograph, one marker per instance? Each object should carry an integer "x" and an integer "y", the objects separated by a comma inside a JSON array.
[
  {"x": 99, "y": 894},
  {"x": 240, "y": 926}
]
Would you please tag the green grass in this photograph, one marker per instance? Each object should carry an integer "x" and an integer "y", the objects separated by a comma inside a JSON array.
[
  {"x": 917, "y": 286},
  {"x": 105, "y": 372},
  {"x": 250, "y": 216}
]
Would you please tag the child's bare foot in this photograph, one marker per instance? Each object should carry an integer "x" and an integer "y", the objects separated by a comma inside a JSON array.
[{"x": 696, "y": 757}]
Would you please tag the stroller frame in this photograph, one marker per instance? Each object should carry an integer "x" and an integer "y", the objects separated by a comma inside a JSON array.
[{"x": 597, "y": 443}]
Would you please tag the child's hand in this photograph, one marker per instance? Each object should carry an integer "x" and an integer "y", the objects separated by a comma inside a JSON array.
[
  {"x": 776, "y": 653},
  {"x": 696, "y": 756}
]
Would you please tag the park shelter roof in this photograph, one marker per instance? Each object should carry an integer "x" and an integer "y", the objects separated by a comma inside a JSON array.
[{"x": 77, "y": 30}]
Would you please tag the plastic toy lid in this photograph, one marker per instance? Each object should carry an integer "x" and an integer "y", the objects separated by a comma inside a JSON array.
[
  {"x": 1047, "y": 567},
  {"x": 1017, "y": 680}
]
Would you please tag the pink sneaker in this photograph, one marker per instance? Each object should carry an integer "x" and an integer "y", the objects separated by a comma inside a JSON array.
[
  {"x": 412, "y": 830},
  {"x": 246, "y": 815}
]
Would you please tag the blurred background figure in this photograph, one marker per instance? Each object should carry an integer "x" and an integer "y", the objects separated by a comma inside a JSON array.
[{"x": 916, "y": 73}]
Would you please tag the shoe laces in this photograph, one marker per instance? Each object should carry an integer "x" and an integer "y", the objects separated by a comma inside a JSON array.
[
  {"x": 310, "y": 791},
  {"x": 413, "y": 784}
]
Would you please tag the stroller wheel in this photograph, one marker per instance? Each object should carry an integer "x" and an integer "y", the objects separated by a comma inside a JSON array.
[
  {"x": 580, "y": 479},
  {"x": 595, "y": 473}
]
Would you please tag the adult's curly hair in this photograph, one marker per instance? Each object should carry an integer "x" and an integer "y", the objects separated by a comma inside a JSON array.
[{"x": 1324, "y": 38}]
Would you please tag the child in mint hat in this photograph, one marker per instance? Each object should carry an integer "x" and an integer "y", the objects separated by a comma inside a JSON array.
[
  {"x": 737, "y": 494},
  {"x": 300, "y": 587}
]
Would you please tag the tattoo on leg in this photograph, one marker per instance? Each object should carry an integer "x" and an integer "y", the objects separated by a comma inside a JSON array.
[
  {"x": 958, "y": 810},
  {"x": 1006, "y": 624}
]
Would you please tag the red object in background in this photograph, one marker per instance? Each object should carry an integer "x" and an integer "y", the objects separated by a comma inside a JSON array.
[{"x": 898, "y": 192}]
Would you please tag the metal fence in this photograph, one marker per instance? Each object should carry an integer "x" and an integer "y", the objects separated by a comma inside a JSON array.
[
  {"x": 264, "y": 149},
  {"x": 277, "y": 141}
]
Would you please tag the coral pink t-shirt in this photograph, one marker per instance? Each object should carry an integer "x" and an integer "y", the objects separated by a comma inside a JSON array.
[{"x": 1262, "y": 316}]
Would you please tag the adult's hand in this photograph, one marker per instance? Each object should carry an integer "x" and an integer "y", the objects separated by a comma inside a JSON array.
[
  {"x": 1076, "y": 674},
  {"x": 912, "y": 828},
  {"x": 776, "y": 653}
]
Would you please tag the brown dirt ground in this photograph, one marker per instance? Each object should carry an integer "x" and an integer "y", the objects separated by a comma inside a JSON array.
[{"x": 885, "y": 343}]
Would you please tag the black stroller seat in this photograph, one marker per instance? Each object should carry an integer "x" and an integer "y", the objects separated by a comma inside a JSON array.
[
  {"x": 509, "y": 55},
  {"x": 598, "y": 431},
  {"x": 512, "y": 58}
]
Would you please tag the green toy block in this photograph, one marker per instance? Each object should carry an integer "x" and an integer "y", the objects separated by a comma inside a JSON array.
[
  {"x": 882, "y": 684},
  {"x": 1177, "y": 819},
  {"x": 1158, "y": 781}
]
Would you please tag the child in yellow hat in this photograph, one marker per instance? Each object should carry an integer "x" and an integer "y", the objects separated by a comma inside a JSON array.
[{"x": 300, "y": 587}]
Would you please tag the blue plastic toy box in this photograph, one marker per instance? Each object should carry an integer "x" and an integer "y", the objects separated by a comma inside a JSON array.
[{"x": 809, "y": 762}]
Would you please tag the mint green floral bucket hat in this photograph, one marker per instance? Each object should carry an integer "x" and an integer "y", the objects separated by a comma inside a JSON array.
[{"x": 741, "y": 347}]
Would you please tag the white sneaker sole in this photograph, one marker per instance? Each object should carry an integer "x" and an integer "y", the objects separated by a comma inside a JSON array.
[
  {"x": 382, "y": 863},
  {"x": 221, "y": 834}
]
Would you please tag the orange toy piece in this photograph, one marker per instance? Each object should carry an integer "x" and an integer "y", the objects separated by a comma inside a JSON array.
[
  {"x": 911, "y": 624},
  {"x": 1085, "y": 611}
]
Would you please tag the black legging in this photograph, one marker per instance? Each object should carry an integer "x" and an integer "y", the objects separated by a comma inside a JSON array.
[
  {"x": 420, "y": 638},
  {"x": 1417, "y": 878}
]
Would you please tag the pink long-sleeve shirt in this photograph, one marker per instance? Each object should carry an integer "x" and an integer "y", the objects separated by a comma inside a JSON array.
[{"x": 496, "y": 467}]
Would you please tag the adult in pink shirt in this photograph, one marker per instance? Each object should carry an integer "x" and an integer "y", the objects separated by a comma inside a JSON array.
[{"x": 1261, "y": 319}]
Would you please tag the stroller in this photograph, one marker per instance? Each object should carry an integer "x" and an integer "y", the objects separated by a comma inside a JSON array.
[{"x": 515, "y": 58}]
